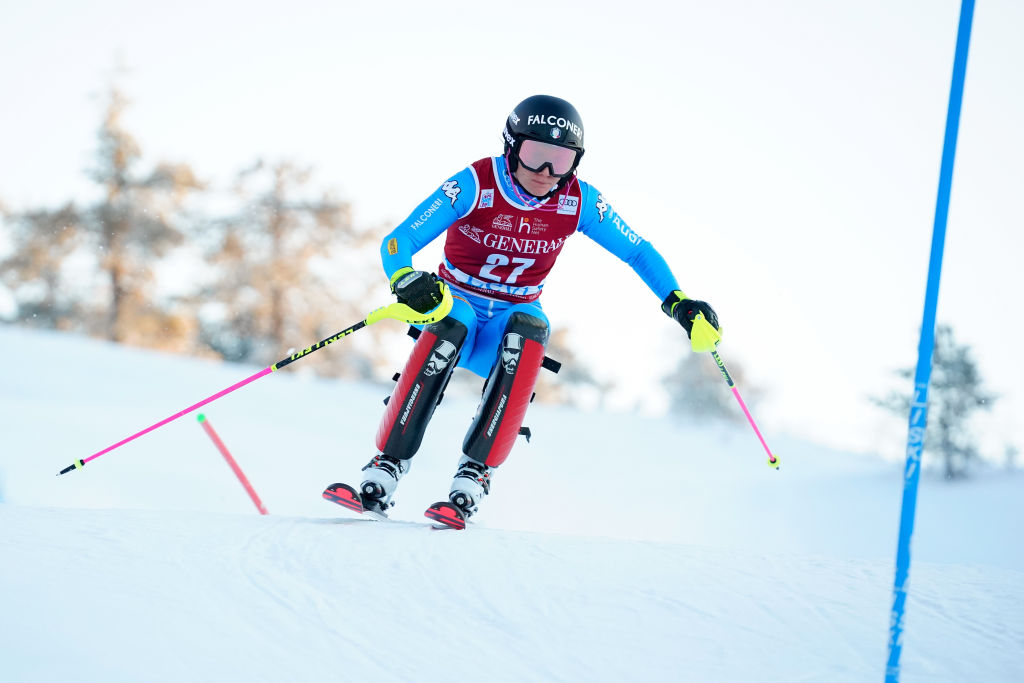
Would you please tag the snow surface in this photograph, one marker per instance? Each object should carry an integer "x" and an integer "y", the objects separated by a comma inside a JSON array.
[{"x": 612, "y": 548}]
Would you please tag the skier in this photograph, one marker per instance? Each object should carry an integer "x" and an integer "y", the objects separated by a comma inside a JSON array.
[{"x": 506, "y": 218}]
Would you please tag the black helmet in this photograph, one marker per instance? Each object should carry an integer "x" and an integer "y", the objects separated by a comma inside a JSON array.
[{"x": 547, "y": 119}]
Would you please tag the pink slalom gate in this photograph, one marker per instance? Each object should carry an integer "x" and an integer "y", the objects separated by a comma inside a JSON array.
[{"x": 234, "y": 465}]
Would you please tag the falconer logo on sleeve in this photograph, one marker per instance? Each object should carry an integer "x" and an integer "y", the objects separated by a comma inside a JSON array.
[{"x": 393, "y": 246}]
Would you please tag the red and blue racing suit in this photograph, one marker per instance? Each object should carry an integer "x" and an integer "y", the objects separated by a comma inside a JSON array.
[{"x": 501, "y": 243}]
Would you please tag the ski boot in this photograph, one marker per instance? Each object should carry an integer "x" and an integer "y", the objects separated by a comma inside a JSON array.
[
  {"x": 471, "y": 483},
  {"x": 382, "y": 475}
]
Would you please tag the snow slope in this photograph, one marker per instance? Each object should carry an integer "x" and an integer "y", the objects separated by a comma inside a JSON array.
[{"x": 612, "y": 548}]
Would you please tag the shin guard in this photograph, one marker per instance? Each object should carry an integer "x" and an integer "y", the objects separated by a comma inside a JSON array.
[
  {"x": 508, "y": 391},
  {"x": 419, "y": 388}
]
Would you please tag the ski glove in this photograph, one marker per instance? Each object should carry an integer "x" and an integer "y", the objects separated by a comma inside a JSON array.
[
  {"x": 417, "y": 289},
  {"x": 683, "y": 310}
]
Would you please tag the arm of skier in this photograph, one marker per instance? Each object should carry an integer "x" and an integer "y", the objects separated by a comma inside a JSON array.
[
  {"x": 447, "y": 204},
  {"x": 601, "y": 223}
]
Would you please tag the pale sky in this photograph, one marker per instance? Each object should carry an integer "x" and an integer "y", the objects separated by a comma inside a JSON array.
[{"x": 783, "y": 157}]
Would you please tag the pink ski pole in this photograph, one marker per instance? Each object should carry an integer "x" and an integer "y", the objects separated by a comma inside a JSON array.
[
  {"x": 704, "y": 337},
  {"x": 773, "y": 460},
  {"x": 396, "y": 311},
  {"x": 232, "y": 463}
]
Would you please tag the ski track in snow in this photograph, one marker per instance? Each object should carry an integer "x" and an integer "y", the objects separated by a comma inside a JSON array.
[
  {"x": 143, "y": 595},
  {"x": 150, "y": 564}
]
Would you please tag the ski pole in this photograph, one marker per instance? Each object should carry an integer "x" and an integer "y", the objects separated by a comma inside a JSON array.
[
  {"x": 704, "y": 337},
  {"x": 395, "y": 311}
]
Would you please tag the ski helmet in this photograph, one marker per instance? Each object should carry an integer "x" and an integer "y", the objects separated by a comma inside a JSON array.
[{"x": 546, "y": 119}]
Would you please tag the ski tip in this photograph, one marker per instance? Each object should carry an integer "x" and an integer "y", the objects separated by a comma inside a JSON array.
[
  {"x": 344, "y": 495},
  {"x": 446, "y": 514}
]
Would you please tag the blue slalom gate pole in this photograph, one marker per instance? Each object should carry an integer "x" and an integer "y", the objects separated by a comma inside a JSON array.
[{"x": 922, "y": 377}]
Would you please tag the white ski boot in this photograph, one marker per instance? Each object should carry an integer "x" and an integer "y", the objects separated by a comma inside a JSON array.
[
  {"x": 471, "y": 483},
  {"x": 382, "y": 475}
]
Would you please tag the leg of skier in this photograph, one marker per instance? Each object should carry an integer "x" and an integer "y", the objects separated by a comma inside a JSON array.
[
  {"x": 506, "y": 396},
  {"x": 412, "y": 403}
]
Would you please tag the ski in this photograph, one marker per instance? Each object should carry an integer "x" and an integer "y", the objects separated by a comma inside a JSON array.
[
  {"x": 345, "y": 496},
  {"x": 447, "y": 514}
]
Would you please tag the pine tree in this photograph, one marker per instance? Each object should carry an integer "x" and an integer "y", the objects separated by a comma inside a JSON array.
[
  {"x": 954, "y": 394},
  {"x": 574, "y": 384},
  {"x": 36, "y": 271},
  {"x": 289, "y": 270},
  {"x": 696, "y": 388},
  {"x": 136, "y": 223}
]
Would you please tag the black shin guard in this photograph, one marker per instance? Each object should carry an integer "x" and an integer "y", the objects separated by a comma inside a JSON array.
[
  {"x": 419, "y": 388},
  {"x": 507, "y": 391}
]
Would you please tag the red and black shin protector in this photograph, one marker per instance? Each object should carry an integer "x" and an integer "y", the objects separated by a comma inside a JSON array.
[
  {"x": 419, "y": 388},
  {"x": 508, "y": 391}
]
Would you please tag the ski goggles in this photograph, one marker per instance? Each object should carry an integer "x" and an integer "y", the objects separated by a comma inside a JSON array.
[{"x": 534, "y": 155}]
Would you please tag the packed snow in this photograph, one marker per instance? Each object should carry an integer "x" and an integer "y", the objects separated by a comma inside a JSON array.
[{"x": 612, "y": 547}]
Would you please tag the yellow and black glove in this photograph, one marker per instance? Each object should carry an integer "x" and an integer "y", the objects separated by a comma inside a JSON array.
[
  {"x": 417, "y": 289},
  {"x": 683, "y": 310}
]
